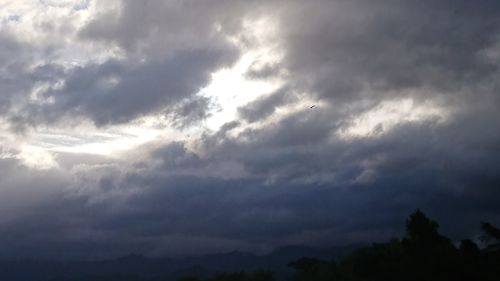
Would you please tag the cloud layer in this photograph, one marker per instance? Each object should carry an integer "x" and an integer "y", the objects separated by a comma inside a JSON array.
[{"x": 375, "y": 109}]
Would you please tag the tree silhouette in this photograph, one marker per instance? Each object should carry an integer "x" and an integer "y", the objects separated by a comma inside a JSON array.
[
  {"x": 490, "y": 232},
  {"x": 469, "y": 249},
  {"x": 422, "y": 255},
  {"x": 423, "y": 232}
]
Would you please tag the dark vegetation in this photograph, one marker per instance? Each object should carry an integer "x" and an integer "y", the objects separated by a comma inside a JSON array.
[{"x": 423, "y": 254}]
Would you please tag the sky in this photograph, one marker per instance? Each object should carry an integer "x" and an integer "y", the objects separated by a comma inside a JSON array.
[{"x": 182, "y": 127}]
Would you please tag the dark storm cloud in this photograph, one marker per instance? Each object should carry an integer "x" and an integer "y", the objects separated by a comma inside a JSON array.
[
  {"x": 116, "y": 92},
  {"x": 190, "y": 111},
  {"x": 352, "y": 49},
  {"x": 439, "y": 168},
  {"x": 154, "y": 27},
  {"x": 312, "y": 191},
  {"x": 291, "y": 181},
  {"x": 13, "y": 58},
  {"x": 348, "y": 52},
  {"x": 265, "y": 106},
  {"x": 300, "y": 183},
  {"x": 169, "y": 49},
  {"x": 356, "y": 54},
  {"x": 304, "y": 192}
]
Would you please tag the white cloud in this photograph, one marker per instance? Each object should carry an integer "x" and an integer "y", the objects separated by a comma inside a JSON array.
[
  {"x": 388, "y": 114},
  {"x": 36, "y": 157}
]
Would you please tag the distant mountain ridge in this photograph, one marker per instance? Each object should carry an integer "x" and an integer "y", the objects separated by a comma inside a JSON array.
[{"x": 144, "y": 267}]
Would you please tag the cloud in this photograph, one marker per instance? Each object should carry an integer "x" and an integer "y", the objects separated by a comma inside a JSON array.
[
  {"x": 117, "y": 92},
  {"x": 406, "y": 117},
  {"x": 153, "y": 28},
  {"x": 264, "y": 106},
  {"x": 137, "y": 73}
]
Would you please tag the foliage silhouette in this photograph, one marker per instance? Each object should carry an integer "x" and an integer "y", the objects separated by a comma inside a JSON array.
[
  {"x": 490, "y": 233},
  {"x": 260, "y": 275},
  {"x": 422, "y": 255}
]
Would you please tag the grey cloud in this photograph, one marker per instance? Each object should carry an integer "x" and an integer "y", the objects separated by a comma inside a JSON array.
[
  {"x": 116, "y": 92},
  {"x": 131, "y": 209},
  {"x": 153, "y": 27},
  {"x": 13, "y": 61},
  {"x": 440, "y": 167},
  {"x": 171, "y": 49},
  {"x": 190, "y": 111},
  {"x": 265, "y": 106},
  {"x": 259, "y": 70},
  {"x": 354, "y": 50},
  {"x": 296, "y": 181},
  {"x": 176, "y": 156}
]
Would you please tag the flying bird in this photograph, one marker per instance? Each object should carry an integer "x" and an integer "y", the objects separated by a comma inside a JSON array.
[{"x": 312, "y": 106}]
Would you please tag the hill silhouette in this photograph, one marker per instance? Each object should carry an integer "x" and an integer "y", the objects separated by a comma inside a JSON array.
[
  {"x": 422, "y": 254},
  {"x": 138, "y": 267}
]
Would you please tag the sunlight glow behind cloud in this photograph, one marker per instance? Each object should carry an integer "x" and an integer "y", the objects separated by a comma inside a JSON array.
[
  {"x": 388, "y": 114},
  {"x": 37, "y": 157},
  {"x": 229, "y": 89}
]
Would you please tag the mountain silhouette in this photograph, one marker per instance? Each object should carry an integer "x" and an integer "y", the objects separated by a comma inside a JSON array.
[{"x": 136, "y": 266}]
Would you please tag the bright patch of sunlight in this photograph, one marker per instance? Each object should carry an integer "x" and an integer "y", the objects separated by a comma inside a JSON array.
[
  {"x": 109, "y": 142},
  {"x": 36, "y": 157},
  {"x": 231, "y": 88},
  {"x": 388, "y": 114}
]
